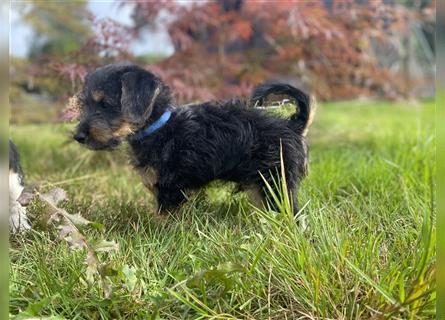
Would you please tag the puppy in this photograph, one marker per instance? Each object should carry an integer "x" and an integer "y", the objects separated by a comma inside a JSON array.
[
  {"x": 18, "y": 220},
  {"x": 179, "y": 148}
]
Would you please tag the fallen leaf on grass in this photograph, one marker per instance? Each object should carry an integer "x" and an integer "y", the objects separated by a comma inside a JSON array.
[
  {"x": 54, "y": 196},
  {"x": 69, "y": 228},
  {"x": 105, "y": 246}
]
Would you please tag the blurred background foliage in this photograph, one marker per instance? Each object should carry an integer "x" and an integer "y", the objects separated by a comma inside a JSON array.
[
  {"x": 58, "y": 29},
  {"x": 337, "y": 49}
]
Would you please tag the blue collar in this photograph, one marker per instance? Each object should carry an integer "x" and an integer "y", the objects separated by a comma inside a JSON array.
[{"x": 155, "y": 125}]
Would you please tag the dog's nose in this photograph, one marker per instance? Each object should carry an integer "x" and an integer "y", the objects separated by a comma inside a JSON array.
[{"x": 80, "y": 136}]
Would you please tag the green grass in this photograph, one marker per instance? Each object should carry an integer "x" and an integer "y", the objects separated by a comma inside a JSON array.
[{"x": 368, "y": 251}]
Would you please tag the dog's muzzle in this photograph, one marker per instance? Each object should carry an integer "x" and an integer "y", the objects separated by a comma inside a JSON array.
[
  {"x": 80, "y": 137},
  {"x": 81, "y": 134}
]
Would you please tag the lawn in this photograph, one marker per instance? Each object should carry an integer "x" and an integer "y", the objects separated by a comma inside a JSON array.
[{"x": 367, "y": 251}]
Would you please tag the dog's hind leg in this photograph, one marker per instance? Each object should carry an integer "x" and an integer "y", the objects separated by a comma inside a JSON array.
[
  {"x": 256, "y": 197},
  {"x": 270, "y": 190}
]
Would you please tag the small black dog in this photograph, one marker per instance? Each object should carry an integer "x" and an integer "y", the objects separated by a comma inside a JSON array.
[{"x": 181, "y": 148}]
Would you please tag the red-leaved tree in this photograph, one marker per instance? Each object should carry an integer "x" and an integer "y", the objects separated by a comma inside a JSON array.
[
  {"x": 223, "y": 48},
  {"x": 338, "y": 49}
]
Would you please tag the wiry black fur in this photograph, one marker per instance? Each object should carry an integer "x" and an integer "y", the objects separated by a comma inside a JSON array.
[{"x": 200, "y": 142}]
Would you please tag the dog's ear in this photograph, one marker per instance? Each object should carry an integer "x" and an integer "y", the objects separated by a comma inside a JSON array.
[{"x": 139, "y": 92}]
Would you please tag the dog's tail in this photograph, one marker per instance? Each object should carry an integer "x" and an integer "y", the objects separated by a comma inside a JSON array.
[{"x": 302, "y": 119}]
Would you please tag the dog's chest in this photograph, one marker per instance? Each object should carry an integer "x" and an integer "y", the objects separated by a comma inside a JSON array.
[{"x": 149, "y": 177}]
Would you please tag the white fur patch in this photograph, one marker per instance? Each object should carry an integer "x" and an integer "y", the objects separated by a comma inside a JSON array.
[
  {"x": 15, "y": 186},
  {"x": 18, "y": 221}
]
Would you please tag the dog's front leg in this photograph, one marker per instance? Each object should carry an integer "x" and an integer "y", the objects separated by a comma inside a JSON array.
[
  {"x": 149, "y": 177},
  {"x": 169, "y": 199}
]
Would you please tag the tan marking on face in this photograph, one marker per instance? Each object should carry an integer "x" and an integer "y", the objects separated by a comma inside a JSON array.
[
  {"x": 98, "y": 95},
  {"x": 124, "y": 130},
  {"x": 100, "y": 135}
]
